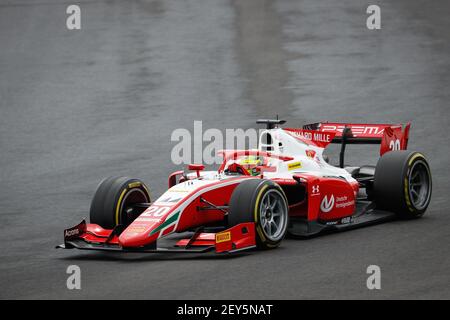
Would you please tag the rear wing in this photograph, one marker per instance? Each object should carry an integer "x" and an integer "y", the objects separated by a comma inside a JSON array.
[{"x": 389, "y": 136}]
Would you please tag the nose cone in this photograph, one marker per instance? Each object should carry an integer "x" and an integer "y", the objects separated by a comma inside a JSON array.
[
  {"x": 138, "y": 235},
  {"x": 159, "y": 219}
]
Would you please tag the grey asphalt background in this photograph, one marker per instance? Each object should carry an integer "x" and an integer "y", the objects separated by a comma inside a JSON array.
[{"x": 76, "y": 106}]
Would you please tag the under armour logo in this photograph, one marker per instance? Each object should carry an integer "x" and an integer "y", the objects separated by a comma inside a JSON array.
[
  {"x": 326, "y": 205},
  {"x": 315, "y": 189}
]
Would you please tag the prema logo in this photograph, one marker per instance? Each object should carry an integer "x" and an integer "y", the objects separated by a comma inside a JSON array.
[
  {"x": 326, "y": 204},
  {"x": 376, "y": 131}
]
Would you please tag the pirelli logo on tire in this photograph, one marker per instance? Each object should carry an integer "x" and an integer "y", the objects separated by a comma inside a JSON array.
[
  {"x": 223, "y": 237},
  {"x": 134, "y": 185}
]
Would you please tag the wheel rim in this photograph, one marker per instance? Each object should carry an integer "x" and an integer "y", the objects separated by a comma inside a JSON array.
[
  {"x": 273, "y": 215},
  {"x": 419, "y": 185},
  {"x": 127, "y": 211}
]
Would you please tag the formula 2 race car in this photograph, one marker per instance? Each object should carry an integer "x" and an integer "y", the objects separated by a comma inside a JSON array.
[{"x": 258, "y": 196}]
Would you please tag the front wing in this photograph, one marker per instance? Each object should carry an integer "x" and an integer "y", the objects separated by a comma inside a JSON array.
[{"x": 92, "y": 237}]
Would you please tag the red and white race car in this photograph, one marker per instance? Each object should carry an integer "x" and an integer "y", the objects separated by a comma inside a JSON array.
[{"x": 258, "y": 196}]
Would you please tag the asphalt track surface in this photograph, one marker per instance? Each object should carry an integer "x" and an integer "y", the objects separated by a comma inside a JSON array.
[{"x": 76, "y": 106}]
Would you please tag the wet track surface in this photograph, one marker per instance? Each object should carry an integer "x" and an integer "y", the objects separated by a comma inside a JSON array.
[{"x": 76, "y": 106}]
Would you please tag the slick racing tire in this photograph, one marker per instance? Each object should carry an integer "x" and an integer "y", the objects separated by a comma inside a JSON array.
[
  {"x": 264, "y": 203},
  {"x": 402, "y": 183},
  {"x": 113, "y": 200}
]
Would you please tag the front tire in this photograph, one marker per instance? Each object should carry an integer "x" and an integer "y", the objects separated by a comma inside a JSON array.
[
  {"x": 402, "y": 183},
  {"x": 113, "y": 200},
  {"x": 264, "y": 203}
]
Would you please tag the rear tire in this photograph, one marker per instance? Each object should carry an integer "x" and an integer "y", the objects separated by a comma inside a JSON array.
[
  {"x": 111, "y": 204},
  {"x": 402, "y": 183},
  {"x": 264, "y": 203}
]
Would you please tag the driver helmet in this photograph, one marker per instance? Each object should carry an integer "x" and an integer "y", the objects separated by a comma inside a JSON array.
[{"x": 250, "y": 163}]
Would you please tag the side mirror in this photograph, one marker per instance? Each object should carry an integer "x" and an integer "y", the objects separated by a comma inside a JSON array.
[{"x": 196, "y": 167}]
